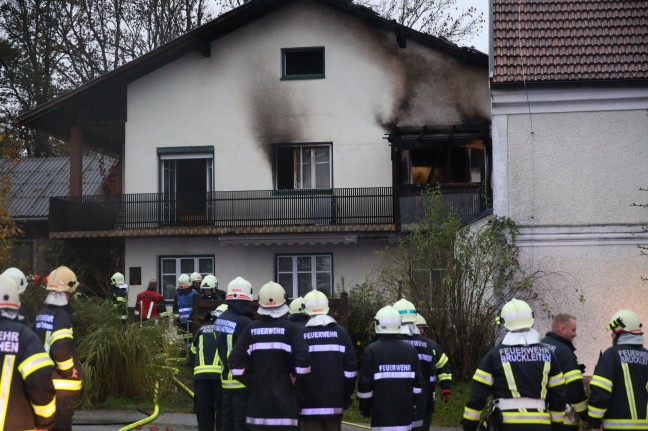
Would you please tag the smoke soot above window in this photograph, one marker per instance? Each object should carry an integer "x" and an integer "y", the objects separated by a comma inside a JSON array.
[{"x": 302, "y": 63}]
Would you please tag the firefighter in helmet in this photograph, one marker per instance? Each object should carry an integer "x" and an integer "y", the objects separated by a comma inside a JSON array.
[
  {"x": 21, "y": 281},
  {"x": 53, "y": 325},
  {"x": 196, "y": 281},
  {"x": 208, "y": 288},
  {"x": 522, "y": 375},
  {"x": 334, "y": 367},
  {"x": 297, "y": 314},
  {"x": 271, "y": 353},
  {"x": 390, "y": 376},
  {"x": 229, "y": 327},
  {"x": 433, "y": 362},
  {"x": 619, "y": 398},
  {"x": 120, "y": 295},
  {"x": 28, "y": 397}
]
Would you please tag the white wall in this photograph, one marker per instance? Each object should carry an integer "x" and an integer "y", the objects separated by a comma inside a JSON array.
[
  {"x": 236, "y": 101},
  {"x": 256, "y": 263},
  {"x": 568, "y": 164}
]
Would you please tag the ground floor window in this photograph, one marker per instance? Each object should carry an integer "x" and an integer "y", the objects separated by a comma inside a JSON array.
[
  {"x": 172, "y": 266},
  {"x": 299, "y": 274}
]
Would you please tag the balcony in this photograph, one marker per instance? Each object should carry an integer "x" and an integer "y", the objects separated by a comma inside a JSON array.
[{"x": 257, "y": 211}]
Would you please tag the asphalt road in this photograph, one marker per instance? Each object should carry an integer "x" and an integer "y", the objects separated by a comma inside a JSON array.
[{"x": 113, "y": 420}]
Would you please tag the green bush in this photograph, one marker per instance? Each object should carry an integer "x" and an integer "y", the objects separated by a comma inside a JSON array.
[{"x": 122, "y": 359}]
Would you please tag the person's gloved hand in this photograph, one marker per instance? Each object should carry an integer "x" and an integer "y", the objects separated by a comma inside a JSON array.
[{"x": 446, "y": 394}]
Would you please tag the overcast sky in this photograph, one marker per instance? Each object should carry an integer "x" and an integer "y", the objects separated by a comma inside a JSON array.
[{"x": 480, "y": 42}]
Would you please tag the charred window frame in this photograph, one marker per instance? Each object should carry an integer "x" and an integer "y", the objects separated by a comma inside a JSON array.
[
  {"x": 302, "y": 63},
  {"x": 301, "y": 273},
  {"x": 303, "y": 167}
]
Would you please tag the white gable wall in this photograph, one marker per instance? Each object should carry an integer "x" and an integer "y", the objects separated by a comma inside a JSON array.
[
  {"x": 567, "y": 173},
  {"x": 236, "y": 101}
]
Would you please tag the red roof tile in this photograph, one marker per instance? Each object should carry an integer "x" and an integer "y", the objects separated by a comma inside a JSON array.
[{"x": 569, "y": 40}]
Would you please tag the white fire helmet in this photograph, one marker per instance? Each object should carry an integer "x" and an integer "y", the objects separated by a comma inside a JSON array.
[
  {"x": 117, "y": 279},
  {"x": 625, "y": 321},
  {"x": 297, "y": 306},
  {"x": 195, "y": 277},
  {"x": 315, "y": 303},
  {"x": 183, "y": 281},
  {"x": 406, "y": 310},
  {"x": 421, "y": 322},
  {"x": 387, "y": 321},
  {"x": 239, "y": 288},
  {"x": 516, "y": 315},
  {"x": 9, "y": 296},
  {"x": 18, "y": 277},
  {"x": 209, "y": 282},
  {"x": 62, "y": 279},
  {"x": 272, "y": 295}
]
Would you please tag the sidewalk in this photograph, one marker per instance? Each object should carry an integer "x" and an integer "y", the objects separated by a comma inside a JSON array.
[{"x": 112, "y": 420}]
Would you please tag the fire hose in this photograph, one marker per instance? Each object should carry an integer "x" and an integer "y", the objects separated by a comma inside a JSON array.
[{"x": 152, "y": 417}]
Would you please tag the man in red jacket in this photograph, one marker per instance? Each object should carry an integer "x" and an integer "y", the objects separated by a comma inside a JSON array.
[{"x": 149, "y": 303}]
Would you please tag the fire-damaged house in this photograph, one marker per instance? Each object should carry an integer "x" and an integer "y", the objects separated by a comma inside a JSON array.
[{"x": 285, "y": 140}]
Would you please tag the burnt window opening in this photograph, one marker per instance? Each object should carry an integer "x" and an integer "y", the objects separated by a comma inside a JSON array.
[
  {"x": 302, "y": 63},
  {"x": 444, "y": 164},
  {"x": 303, "y": 167}
]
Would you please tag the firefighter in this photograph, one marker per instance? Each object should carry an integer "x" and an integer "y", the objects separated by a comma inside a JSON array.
[
  {"x": 28, "y": 396},
  {"x": 150, "y": 304},
  {"x": 618, "y": 397},
  {"x": 559, "y": 340},
  {"x": 522, "y": 375},
  {"x": 21, "y": 281},
  {"x": 390, "y": 376},
  {"x": 421, "y": 324},
  {"x": 207, "y": 376},
  {"x": 271, "y": 358},
  {"x": 53, "y": 325},
  {"x": 229, "y": 326},
  {"x": 183, "y": 301},
  {"x": 433, "y": 362},
  {"x": 297, "y": 315},
  {"x": 334, "y": 367},
  {"x": 208, "y": 288},
  {"x": 120, "y": 295},
  {"x": 196, "y": 281}
]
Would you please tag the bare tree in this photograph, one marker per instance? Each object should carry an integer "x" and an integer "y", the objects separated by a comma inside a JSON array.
[{"x": 49, "y": 46}]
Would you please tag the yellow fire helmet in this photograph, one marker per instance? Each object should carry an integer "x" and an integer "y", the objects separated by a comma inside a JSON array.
[{"x": 62, "y": 279}]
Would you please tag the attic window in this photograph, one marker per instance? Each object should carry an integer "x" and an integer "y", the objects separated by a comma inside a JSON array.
[{"x": 302, "y": 63}]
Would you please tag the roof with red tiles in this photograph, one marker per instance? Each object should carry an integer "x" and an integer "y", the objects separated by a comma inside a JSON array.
[{"x": 569, "y": 40}]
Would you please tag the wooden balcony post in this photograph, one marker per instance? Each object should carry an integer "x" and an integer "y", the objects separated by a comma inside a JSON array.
[{"x": 76, "y": 161}]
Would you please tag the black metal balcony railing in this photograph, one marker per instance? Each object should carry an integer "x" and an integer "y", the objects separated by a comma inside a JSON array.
[{"x": 258, "y": 208}]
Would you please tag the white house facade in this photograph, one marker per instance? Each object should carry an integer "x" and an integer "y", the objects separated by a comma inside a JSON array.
[{"x": 276, "y": 147}]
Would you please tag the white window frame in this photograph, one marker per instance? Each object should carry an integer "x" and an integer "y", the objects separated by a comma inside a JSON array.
[
  {"x": 293, "y": 291},
  {"x": 178, "y": 269}
]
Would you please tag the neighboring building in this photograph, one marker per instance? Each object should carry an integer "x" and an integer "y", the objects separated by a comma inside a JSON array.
[
  {"x": 570, "y": 141},
  {"x": 33, "y": 182},
  {"x": 285, "y": 140}
]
